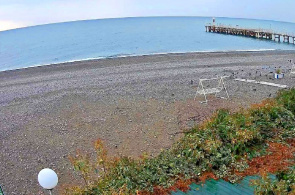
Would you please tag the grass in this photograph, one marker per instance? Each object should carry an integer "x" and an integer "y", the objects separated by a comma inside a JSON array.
[{"x": 226, "y": 146}]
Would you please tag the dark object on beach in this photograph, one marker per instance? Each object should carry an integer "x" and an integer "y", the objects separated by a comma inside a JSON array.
[
  {"x": 254, "y": 89},
  {"x": 269, "y": 95},
  {"x": 192, "y": 82},
  {"x": 1, "y": 191},
  {"x": 172, "y": 94}
]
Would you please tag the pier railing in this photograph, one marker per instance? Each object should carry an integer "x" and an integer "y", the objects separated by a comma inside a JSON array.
[{"x": 251, "y": 32}]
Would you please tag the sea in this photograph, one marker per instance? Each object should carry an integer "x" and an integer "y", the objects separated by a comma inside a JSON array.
[{"x": 121, "y": 37}]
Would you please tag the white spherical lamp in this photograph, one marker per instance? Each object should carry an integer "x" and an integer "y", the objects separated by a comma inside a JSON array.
[{"x": 47, "y": 178}]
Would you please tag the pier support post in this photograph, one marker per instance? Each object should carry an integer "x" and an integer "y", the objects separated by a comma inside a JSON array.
[
  {"x": 277, "y": 37},
  {"x": 286, "y": 38}
]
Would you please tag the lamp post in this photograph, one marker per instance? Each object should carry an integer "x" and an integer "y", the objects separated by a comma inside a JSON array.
[{"x": 48, "y": 179}]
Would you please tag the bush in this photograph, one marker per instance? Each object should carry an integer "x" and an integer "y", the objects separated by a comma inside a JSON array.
[
  {"x": 272, "y": 120},
  {"x": 287, "y": 99}
]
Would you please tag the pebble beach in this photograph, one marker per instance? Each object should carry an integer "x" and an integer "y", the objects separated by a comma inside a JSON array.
[{"x": 134, "y": 104}]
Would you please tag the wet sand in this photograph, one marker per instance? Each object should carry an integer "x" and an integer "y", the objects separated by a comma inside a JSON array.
[{"x": 135, "y": 104}]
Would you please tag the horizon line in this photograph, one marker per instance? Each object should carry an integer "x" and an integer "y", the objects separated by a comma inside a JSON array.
[{"x": 109, "y": 18}]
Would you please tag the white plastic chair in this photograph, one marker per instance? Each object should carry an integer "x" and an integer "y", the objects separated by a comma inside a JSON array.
[{"x": 201, "y": 90}]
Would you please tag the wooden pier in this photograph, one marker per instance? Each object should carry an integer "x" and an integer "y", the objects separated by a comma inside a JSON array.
[{"x": 254, "y": 33}]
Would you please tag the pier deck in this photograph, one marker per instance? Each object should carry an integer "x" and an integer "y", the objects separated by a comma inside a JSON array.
[{"x": 254, "y": 33}]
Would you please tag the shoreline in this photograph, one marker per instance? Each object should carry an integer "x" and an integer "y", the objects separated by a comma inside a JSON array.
[{"x": 147, "y": 55}]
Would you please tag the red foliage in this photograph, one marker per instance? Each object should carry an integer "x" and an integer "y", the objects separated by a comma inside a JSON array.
[
  {"x": 207, "y": 175},
  {"x": 292, "y": 142},
  {"x": 182, "y": 185},
  {"x": 268, "y": 103},
  {"x": 280, "y": 158}
]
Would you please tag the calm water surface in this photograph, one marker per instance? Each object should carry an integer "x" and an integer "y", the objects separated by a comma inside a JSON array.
[{"x": 92, "y": 39}]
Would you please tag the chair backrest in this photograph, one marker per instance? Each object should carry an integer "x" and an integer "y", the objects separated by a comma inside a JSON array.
[{"x": 207, "y": 85}]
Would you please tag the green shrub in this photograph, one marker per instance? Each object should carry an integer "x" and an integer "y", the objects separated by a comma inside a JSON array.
[
  {"x": 273, "y": 120},
  {"x": 287, "y": 99}
]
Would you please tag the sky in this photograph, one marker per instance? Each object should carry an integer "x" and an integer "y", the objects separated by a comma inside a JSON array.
[{"x": 22, "y": 13}]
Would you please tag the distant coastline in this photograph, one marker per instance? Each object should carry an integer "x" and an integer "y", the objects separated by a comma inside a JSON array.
[{"x": 239, "y": 18}]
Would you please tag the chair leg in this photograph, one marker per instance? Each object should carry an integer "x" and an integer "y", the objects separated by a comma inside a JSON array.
[
  {"x": 227, "y": 96},
  {"x": 196, "y": 96},
  {"x": 216, "y": 94},
  {"x": 222, "y": 86},
  {"x": 200, "y": 85},
  {"x": 206, "y": 101}
]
